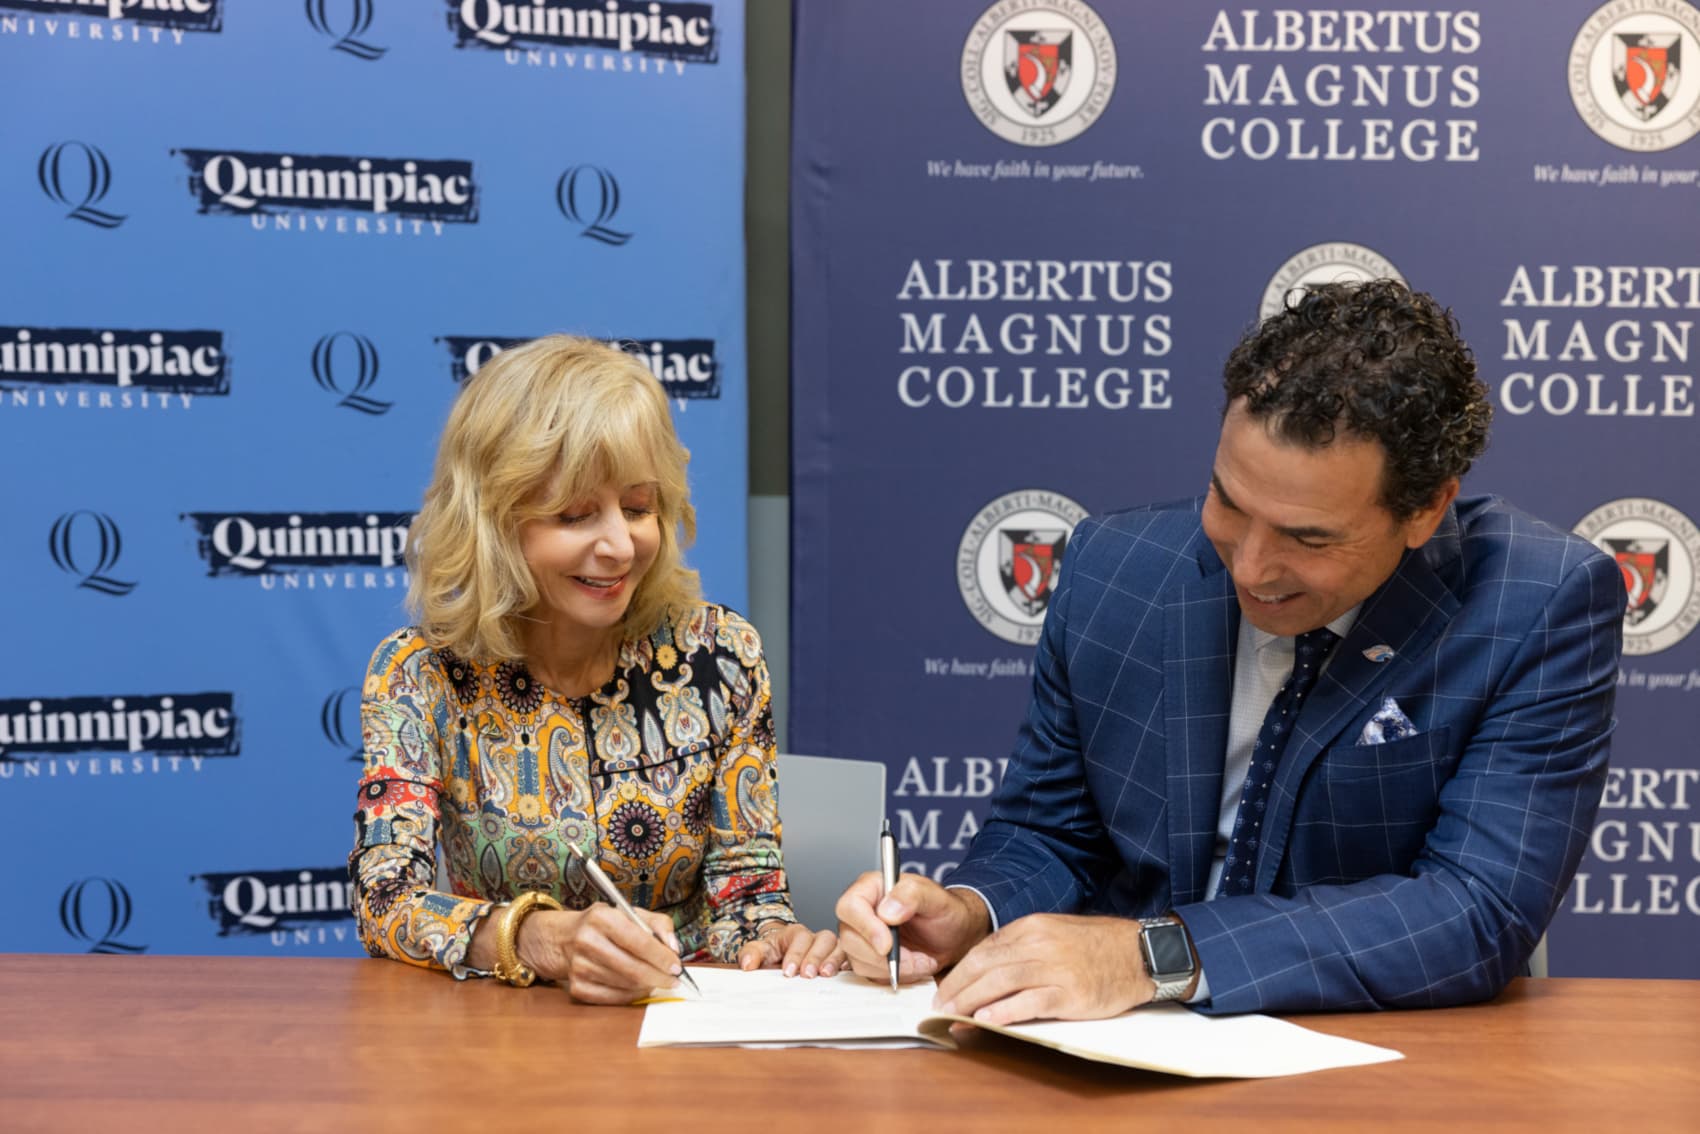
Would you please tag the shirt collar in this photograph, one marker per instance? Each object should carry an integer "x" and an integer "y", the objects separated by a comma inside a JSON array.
[{"x": 1340, "y": 626}]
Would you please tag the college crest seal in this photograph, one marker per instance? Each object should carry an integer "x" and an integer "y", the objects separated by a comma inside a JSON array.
[
  {"x": 1332, "y": 262},
  {"x": 1627, "y": 73},
  {"x": 1657, "y": 548},
  {"x": 1038, "y": 73},
  {"x": 1010, "y": 558}
]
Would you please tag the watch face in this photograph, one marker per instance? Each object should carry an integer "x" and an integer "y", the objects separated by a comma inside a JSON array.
[{"x": 1167, "y": 951}]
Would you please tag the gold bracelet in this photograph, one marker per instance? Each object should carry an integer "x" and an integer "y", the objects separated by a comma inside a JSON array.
[{"x": 508, "y": 967}]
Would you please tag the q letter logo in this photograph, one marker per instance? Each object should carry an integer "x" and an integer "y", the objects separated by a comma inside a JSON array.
[{"x": 77, "y": 175}]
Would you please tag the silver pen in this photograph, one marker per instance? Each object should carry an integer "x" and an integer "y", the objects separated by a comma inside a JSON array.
[
  {"x": 618, "y": 901},
  {"x": 888, "y": 877}
]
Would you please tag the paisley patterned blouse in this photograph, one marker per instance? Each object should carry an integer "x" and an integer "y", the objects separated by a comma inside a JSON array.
[{"x": 666, "y": 774}]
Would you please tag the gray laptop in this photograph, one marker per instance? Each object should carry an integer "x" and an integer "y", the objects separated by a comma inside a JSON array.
[{"x": 831, "y": 811}]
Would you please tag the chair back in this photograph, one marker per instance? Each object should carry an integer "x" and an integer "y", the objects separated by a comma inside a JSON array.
[
  {"x": 1537, "y": 963},
  {"x": 831, "y": 811}
]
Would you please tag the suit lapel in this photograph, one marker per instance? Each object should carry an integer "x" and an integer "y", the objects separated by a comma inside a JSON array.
[
  {"x": 1406, "y": 614},
  {"x": 1200, "y": 622}
]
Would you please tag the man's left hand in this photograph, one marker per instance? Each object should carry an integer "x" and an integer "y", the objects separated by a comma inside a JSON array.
[{"x": 1050, "y": 967}]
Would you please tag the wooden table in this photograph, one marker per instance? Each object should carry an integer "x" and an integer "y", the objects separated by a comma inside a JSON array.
[{"x": 257, "y": 1044}]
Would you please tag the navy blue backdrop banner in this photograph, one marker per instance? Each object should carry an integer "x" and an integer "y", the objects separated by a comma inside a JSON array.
[
  {"x": 1026, "y": 236},
  {"x": 251, "y": 251}
]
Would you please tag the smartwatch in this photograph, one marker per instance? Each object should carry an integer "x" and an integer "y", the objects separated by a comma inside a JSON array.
[{"x": 1166, "y": 949}]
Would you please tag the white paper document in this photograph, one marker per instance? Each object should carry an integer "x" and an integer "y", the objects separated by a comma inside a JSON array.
[{"x": 766, "y": 1008}]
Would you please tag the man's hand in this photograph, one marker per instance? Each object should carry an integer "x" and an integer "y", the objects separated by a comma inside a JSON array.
[
  {"x": 794, "y": 949},
  {"x": 1049, "y": 967},
  {"x": 939, "y": 925}
]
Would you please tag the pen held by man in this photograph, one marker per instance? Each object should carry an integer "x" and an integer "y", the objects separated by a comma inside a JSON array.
[
  {"x": 938, "y": 926},
  {"x": 888, "y": 879}
]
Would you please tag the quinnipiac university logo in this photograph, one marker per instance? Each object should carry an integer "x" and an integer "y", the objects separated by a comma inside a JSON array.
[
  {"x": 305, "y": 550},
  {"x": 686, "y": 368},
  {"x": 401, "y": 194},
  {"x": 1627, "y": 76},
  {"x": 1331, "y": 262},
  {"x": 177, "y": 16},
  {"x": 97, "y": 911},
  {"x": 127, "y": 368},
  {"x": 1658, "y": 549},
  {"x": 1009, "y": 560},
  {"x": 309, "y": 902},
  {"x": 130, "y": 729},
  {"x": 654, "y": 29},
  {"x": 1038, "y": 73}
]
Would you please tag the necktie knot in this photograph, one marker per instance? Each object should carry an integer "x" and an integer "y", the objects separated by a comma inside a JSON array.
[
  {"x": 1310, "y": 650},
  {"x": 1315, "y": 643}
]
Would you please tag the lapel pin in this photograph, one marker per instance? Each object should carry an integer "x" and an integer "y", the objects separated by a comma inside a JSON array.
[{"x": 1379, "y": 654}]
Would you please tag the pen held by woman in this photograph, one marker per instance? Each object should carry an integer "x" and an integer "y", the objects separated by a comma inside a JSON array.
[{"x": 613, "y": 897}]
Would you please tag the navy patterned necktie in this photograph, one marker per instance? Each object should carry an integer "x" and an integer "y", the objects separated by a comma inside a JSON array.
[{"x": 1310, "y": 650}]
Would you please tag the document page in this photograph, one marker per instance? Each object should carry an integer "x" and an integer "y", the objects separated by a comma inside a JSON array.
[
  {"x": 1171, "y": 1038},
  {"x": 766, "y": 1008}
]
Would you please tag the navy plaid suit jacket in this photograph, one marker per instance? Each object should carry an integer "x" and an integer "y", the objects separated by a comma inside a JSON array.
[{"x": 1419, "y": 872}]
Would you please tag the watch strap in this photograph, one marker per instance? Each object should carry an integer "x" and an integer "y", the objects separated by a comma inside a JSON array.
[{"x": 1171, "y": 984}]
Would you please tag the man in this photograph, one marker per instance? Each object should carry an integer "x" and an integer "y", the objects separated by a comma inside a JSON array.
[{"x": 1388, "y": 821}]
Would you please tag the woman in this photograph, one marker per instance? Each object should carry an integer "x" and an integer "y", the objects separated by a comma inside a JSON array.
[{"x": 566, "y": 684}]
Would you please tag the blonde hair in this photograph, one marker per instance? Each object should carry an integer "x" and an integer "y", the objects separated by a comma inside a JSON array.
[{"x": 538, "y": 427}]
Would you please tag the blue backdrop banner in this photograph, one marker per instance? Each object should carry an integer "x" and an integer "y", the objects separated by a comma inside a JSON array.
[
  {"x": 1014, "y": 310},
  {"x": 252, "y": 251}
]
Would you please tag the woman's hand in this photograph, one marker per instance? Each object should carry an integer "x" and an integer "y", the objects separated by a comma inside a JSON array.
[
  {"x": 598, "y": 955},
  {"x": 795, "y": 949}
]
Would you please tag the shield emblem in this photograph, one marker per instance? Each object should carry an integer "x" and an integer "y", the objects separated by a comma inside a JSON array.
[
  {"x": 1038, "y": 66},
  {"x": 1646, "y": 70},
  {"x": 1029, "y": 562},
  {"x": 1645, "y": 564}
]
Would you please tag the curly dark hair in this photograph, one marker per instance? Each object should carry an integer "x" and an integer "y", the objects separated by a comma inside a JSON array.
[{"x": 1374, "y": 360}]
